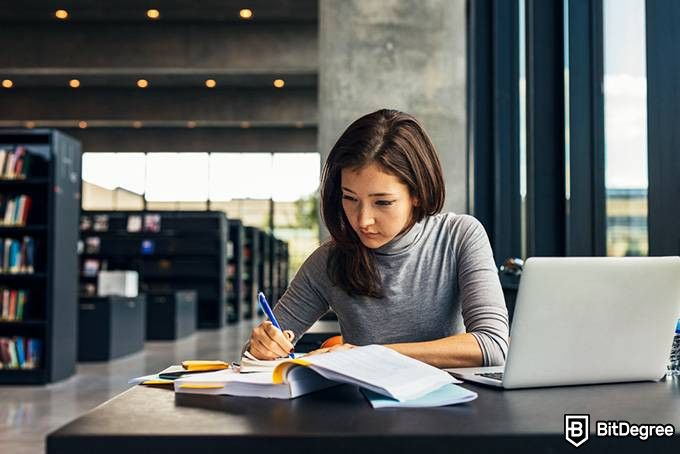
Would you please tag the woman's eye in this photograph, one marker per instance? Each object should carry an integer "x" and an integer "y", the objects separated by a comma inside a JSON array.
[
  {"x": 384, "y": 202},
  {"x": 346, "y": 197}
]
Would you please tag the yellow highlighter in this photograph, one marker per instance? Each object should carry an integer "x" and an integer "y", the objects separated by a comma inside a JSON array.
[{"x": 203, "y": 365}]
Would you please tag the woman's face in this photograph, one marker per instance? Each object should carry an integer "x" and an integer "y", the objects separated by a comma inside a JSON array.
[{"x": 377, "y": 204}]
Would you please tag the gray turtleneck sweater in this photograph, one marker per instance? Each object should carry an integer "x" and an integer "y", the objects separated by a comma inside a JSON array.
[{"x": 439, "y": 279}]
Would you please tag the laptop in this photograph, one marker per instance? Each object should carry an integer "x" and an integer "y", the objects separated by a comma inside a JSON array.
[{"x": 585, "y": 320}]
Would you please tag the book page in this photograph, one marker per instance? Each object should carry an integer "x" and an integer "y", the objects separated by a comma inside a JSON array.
[{"x": 382, "y": 370}]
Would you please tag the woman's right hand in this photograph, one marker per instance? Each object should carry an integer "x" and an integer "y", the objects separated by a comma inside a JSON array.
[{"x": 269, "y": 342}]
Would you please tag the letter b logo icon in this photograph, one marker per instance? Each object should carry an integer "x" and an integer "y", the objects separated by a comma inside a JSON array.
[{"x": 576, "y": 429}]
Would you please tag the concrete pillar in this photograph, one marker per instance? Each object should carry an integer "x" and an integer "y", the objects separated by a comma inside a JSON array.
[{"x": 401, "y": 54}]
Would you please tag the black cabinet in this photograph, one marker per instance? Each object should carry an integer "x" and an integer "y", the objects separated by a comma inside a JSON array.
[
  {"x": 170, "y": 315},
  {"x": 110, "y": 327}
]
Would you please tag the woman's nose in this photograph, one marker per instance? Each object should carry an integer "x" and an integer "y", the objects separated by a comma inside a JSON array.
[{"x": 365, "y": 217}]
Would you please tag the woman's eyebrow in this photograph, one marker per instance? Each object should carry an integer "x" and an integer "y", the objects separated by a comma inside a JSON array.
[{"x": 375, "y": 194}]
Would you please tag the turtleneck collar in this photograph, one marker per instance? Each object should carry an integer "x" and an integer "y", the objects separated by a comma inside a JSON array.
[{"x": 403, "y": 241}]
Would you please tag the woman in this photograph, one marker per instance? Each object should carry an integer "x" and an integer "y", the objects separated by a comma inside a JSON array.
[{"x": 395, "y": 271}]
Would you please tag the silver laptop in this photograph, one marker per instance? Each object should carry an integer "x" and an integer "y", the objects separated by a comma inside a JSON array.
[{"x": 585, "y": 320}]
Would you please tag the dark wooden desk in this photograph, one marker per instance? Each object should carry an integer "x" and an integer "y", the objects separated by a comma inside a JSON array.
[{"x": 339, "y": 420}]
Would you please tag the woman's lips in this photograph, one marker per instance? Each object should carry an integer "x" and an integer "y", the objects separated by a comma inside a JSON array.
[{"x": 368, "y": 234}]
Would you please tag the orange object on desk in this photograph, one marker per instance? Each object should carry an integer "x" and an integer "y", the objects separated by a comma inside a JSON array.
[{"x": 331, "y": 341}]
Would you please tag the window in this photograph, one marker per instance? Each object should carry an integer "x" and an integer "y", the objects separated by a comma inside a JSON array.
[{"x": 625, "y": 96}]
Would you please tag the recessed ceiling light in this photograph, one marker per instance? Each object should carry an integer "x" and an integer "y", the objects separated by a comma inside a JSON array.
[
  {"x": 191, "y": 124},
  {"x": 137, "y": 124},
  {"x": 74, "y": 83},
  {"x": 6, "y": 83},
  {"x": 153, "y": 14},
  {"x": 210, "y": 83},
  {"x": 246, "y": 13},
  {"x": 61, "y": 14},
  {"x": 279, "y": 83},
  {"x": 82, "y": 124},
  {"x": 30, "y": 124},
  {"x": 142, "y": 83}
]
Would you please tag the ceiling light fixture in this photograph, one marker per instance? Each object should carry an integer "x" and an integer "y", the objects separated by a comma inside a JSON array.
[
  {"x": 74, "y": 83},
  {"x": 246, "y": 13},
  {"x": 61, "y": 14},
  {"x": 142, "y": 83}
]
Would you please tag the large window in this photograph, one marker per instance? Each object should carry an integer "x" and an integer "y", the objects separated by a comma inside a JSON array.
[
  {"x": 247, "y": 186},
  {"x": 625, "y": 95}
]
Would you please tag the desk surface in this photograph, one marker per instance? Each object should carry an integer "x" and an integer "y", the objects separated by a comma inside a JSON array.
[{"x": 147, "y": 420}]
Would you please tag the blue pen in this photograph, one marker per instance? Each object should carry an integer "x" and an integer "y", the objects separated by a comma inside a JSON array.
[{"x": 268, "y": 310}]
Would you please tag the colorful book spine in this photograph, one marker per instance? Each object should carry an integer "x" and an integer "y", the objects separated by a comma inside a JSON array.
[
  {"x": 20, "y": 353},
  {"x": 17, "y": 257},
  {"x": 15, "y": 210},
  {"x": 12, "y": 304},
  {"x": 14, "y": 164}
]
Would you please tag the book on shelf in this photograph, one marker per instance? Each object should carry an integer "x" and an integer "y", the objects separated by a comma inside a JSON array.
[
  {"x": 14, "y": 164},
  {"x": 152, "y": 223},
  {"x": 16, "y": 256},
  {"x": 14, "y": 210},
  {"x": 134, "y": 223},
  {"x": 12, "y": 304},
  {"x": 20, "y": 353},
  {"x": 91, "y": 267},
  {"x": 85, "y": 223},
  {"x": 92, "y": 245},
  {"x": 100, "y": 223}
]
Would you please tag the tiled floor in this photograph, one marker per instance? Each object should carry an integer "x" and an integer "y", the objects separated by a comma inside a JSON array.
[{"x": 29, "y": 413}]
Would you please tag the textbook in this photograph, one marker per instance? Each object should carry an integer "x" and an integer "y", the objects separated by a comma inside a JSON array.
[
  {"x": 249, "y": 363},
  {"x": 373, "y": 367}
]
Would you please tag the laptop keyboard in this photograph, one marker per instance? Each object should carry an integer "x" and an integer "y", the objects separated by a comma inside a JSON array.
[{"x": 493, "y": 375}]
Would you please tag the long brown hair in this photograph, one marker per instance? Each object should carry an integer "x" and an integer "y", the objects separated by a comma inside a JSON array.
[{"x": 398, "y": 144}]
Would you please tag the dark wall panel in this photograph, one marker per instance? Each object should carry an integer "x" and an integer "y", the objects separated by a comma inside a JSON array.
[
  {"x": 270, "y": 104},
  {"x": 160, "y": 45}
]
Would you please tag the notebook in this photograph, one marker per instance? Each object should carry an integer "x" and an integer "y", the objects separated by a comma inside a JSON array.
[
  {"x": 448, "y": 394},
  {"x": 373, "y": 367}
]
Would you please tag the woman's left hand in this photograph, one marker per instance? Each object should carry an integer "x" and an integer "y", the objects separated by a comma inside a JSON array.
[{"x": 334, "y": 348}]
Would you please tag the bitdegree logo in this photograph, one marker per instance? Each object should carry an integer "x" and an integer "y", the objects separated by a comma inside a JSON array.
[
  {"x": 576, "y": 429},
  {"x": 626, "y": 429}
]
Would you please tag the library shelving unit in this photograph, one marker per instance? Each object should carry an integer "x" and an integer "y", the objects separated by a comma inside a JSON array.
[
  {"x": 251, "y": 269},
  {"x": 282, "y": 265},
  {"x": 39, "y": 255},
  {"x": 171, "y": 251},
  {"x": 235, "y": 282},
  {"x": 265, "y": 271},
  {"x": 274, "y": 268}
]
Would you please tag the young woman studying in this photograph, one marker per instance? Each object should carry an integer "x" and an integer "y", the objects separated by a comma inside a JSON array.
[{"x": 396, "y": 271}]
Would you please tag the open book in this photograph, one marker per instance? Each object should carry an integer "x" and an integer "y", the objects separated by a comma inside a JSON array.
[
  {"x": 249, "y": 363},
  {"x": 373, "y": 367}
]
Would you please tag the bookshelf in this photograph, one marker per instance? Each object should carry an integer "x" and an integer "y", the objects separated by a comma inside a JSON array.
[
  {"x": 39, "y": 206},
  {"x": 171, "y": 251},
  {"x": 282, "y": 267},
  {"x": 251, "y": 270},
  {"x": 264, "y": 265},
  {"x": 235, "y": 282}
]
